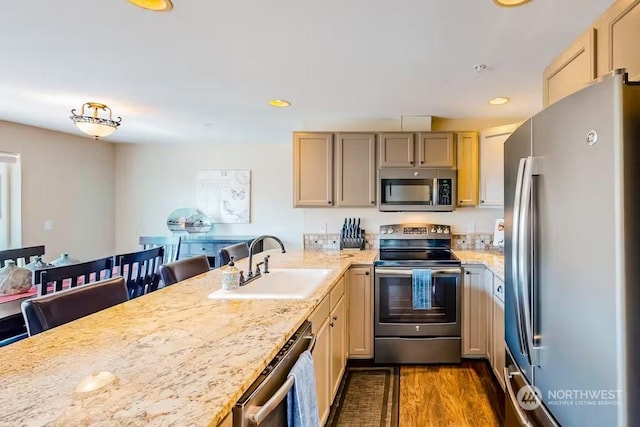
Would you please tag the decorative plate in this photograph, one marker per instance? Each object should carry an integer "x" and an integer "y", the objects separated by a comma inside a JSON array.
[
  {"x": 198, "y": 223},
  {"x": 177, "y": 220}
]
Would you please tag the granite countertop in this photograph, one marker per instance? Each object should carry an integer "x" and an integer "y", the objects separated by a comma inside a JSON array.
[
  {"x": 179, "y": 358},
  {"x": 495, "y": 262}
]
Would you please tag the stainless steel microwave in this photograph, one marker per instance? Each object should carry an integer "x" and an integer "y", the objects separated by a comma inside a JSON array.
[{"x": 415, "y": 190}]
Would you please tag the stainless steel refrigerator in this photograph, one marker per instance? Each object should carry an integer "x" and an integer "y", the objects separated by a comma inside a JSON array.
[{"x": 572, "y": 258}]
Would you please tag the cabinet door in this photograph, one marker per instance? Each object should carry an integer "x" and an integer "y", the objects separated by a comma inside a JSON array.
[
  {"x": 396, "y": 150},
  {"x": 474, "y": 319},
  {"x": 356, "y": 170},
  {"x": 436, "y": 150},
  {"x": 488, "y": 286},
  {"x": 498, "y": 340},
  {"x": 312, "y": 169},
  {"x": 337, "y": 323},
  {"x": 492, "y": 164},
  {"x": 322, "y": 368},
  {"x": 618, "y": 35},
  {"x": 360, "y": 314},
  {"x": 572, "y": 70},
  {"x": 468, "y": 168}
]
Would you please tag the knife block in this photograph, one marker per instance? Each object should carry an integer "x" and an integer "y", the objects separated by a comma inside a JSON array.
[{"x": 353, "y": 242}]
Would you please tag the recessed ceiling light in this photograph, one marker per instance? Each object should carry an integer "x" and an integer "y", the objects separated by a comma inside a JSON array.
[
  {"x": 500, "y": 100},
  {"x": 510, "y": 3},
  {"x": 280, "y": 103},
  {"x": 155, "y": 5}
]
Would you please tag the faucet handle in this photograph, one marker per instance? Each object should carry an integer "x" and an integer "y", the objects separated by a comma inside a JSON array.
[{"x": 258, "y": 272}]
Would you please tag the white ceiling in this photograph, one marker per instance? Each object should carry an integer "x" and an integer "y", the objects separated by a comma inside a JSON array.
[{"x": 205, "y": 71}]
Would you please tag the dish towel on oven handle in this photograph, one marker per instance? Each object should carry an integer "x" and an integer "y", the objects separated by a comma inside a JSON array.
[{"x": 421, "y": 288}]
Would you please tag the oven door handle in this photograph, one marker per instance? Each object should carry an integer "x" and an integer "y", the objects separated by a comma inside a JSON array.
[{"x": 409, "y": 272}]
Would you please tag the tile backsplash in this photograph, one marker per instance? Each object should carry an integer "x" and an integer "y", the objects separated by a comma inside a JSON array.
[
  {"x": 331, "y": 242},
  {"x": 475, "y": 242}
]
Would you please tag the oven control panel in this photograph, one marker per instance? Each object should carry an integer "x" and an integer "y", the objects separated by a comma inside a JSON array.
[{"x": 430, "y": 231}]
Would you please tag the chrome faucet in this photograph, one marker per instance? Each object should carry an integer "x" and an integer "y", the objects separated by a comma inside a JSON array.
[{"x": 250, "y": 274}]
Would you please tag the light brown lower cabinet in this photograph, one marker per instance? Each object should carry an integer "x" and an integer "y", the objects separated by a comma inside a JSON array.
[
  {"x": 328, "y": 323},
  {"x": 360, "y": 292}
]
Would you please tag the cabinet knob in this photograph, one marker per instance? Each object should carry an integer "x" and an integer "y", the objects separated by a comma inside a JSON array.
[
  {"x": 467, "y": 272},
  {"x": 422, "y": 162},
  {"x": 373, "y": 202},
  {"x": 331, "y": 324},
  {"x": 499, "y": 289},
  {"x": 481, "y": 201},
  {"x": 366, "y": 273},
  {"x": 334, "y": 318},
  {"x": 329, "y": 202},
  {"x": 411, "y": 162}
]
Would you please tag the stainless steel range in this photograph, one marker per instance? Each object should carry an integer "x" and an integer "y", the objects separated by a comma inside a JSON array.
[{"x": 403, "y": 333}]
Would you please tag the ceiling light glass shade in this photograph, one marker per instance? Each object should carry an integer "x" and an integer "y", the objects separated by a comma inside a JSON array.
[
  {"x": 280, "y": 103},
  {"x": 510, "y": 3},
  {"x": 155, "y": 5},
  {"x": 92, "y": 125},
  {"x": 501, "y": 100}
]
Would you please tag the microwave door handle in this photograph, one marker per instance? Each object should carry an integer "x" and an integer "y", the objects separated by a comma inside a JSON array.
[{"x": 435, "y": 200}]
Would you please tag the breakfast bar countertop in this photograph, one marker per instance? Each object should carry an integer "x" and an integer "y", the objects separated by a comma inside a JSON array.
[
  {"x": 179, "y": 358},
  {"x": 493, "y": 261}
]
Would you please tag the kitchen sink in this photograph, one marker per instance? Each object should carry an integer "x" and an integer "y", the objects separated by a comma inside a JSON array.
[{"x": 279, "y": 283}]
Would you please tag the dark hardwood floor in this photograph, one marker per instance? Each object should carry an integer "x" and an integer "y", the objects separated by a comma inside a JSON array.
[{"x": 450, "y": 395}]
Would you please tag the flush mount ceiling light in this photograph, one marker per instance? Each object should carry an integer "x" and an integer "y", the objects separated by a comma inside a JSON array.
[
  {"x": 280, "y": 103},
  {"x": 93, "y": 125},
  {"x": 155, "y": 5},
  {"x": 510, "y": 3},
  {"x": 500, "y": 100}
]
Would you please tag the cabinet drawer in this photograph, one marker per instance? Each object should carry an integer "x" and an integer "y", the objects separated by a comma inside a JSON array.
[
  {"x": 498, "y": 289},
  {"x": 319, "y": 315},
  {"x": 337, "y": 292},
  {"x": 202, "y": 248}
]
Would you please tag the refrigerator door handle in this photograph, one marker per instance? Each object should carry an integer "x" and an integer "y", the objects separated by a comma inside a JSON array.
[
  {"x": 508, "y": 375},
  {"x": 515, "y": 252},
  {"x": 524, "y": 257}
]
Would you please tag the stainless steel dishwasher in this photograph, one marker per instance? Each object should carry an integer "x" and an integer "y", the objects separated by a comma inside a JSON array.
[{"x": 264, "y": 403}]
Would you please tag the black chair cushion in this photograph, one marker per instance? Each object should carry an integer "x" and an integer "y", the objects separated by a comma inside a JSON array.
[
  {"x": 62, "y": 307},
  {"x": 183, "y": 269},
  {"x": 237, "y": 251}
]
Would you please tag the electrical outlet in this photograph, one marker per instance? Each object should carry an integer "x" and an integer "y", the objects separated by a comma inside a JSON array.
[{"x": 48, "y": 224}]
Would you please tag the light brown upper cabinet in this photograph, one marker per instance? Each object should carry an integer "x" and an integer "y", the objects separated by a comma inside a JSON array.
[
  {"x": 431, "y": 150},
  {"x": 492, "y": 164},
  {"x": 355, "y": 169},
  {"x": 436, "y": 150},
  {"x": 312, "y": 169},
  {"x": 468, "y": 168},
  {"x": 618, "y": 35},
  {"x": 397, "y": 150},
  {"x": 572, "y": 70}
]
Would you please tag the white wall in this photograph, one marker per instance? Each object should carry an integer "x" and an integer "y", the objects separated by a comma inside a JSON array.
[
  {"x": 154, "y": 179},
  {"x": 67, "y": 179}
]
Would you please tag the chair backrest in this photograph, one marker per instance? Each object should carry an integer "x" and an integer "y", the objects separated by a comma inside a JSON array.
[
  {"x": 171, "y": 245},
  {"x": 140, "y": 270},
  {"x": 237, "y": 251},
  {"x": 21, "y": 256},
  {"x": 54, "y": 279},
  {"x": 183, "y": 269},
  {"x": 49, "y": 311}
]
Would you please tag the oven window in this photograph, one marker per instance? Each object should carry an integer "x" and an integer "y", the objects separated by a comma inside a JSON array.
[{"x": 396, "y": 306}]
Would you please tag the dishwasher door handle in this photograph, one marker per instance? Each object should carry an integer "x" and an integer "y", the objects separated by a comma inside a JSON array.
[{"x": 277, "y": 397}]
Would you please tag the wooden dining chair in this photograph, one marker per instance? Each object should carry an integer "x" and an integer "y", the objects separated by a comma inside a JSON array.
[
  {"x": 49, "y": 311},
  {"x": 55, "y": 279},
  {"x": 171, "y": 245},
  {"x": 183, "y": 269},
  {"x": 21, "y": 256},
  {"x": 140, "y": 270},
  {"x": 237, "y": 251}
]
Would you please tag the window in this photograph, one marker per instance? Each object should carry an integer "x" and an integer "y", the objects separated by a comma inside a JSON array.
[{"x": 10, "y": 201}]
